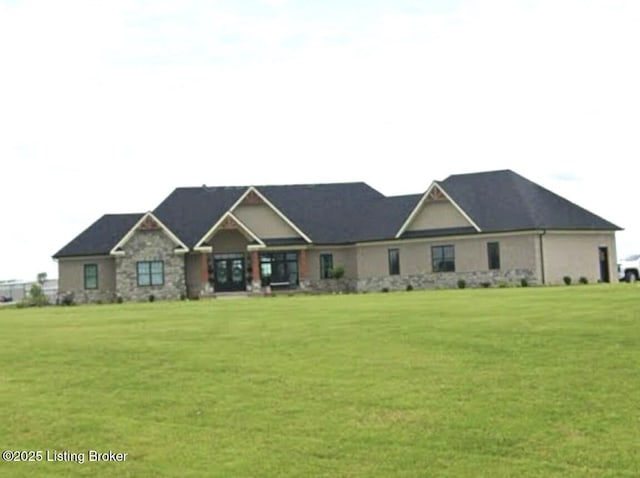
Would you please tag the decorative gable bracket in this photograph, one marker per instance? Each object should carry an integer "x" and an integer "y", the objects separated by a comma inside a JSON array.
[
  {"x": 435, "y": 193},
  {"x": 227, "y": 222},
  {"x": 149, "y": 222}
]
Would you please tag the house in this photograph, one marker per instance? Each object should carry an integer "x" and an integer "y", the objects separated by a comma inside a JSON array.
[{"x": 483, "y": 227}]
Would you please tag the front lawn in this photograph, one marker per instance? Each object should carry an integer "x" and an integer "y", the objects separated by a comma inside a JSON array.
[{"x": 524, "y": 382}]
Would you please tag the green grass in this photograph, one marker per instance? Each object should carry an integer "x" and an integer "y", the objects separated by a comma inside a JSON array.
[{"x": 530, "y": 382}]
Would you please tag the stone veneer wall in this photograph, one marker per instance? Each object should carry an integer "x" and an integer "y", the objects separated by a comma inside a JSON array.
[
  {"x": 447, "y": 280},
  {"x": 420, "y": 281},
  {"x": 89, "y": 296},
  {"x": 150, "y": 246},
  {"x": 329, "y": 285}
]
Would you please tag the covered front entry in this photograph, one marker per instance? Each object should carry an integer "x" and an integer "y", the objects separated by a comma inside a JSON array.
[{"x": 229, "y": 272}]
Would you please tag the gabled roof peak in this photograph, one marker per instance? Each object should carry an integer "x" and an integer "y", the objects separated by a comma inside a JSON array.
[{"x": 146, "y": 223}]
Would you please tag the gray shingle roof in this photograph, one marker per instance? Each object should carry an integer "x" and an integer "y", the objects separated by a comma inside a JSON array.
[
  {"x": 352, "y": 212},
  {"x": 101, "y": 236},
  {"x": 190, "y": 212},
  {"x": 327, "y": 213},
  {"x": 505, "y": 201},
  {"x": 383, "y": 218}
]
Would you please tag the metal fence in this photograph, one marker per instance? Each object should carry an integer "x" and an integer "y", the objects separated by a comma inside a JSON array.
[{"x": 18, "y": 290}]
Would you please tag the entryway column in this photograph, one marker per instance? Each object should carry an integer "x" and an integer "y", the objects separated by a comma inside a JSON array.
[
  {"x": 255, "y": 271},
  {"x": 204, "y": 268},
  {"x": 304, "y": 270},
  {"x": 205, "y": 285}
]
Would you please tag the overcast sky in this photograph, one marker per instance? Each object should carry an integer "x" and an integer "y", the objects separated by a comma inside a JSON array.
[{"x": 106, "y": 106}]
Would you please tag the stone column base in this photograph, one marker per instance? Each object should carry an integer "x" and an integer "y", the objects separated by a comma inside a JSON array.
[{"x": 256, "y": 287}]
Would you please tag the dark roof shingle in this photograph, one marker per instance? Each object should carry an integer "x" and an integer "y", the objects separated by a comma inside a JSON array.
[
  {"x": 505, "y": 201},
  {"x": 383, "y": 218},
  {"x": 101, "y": 236},
  {"x": 190, "y": 212},
  {"x": 345, "y": 213},
  {"x": 327, "y": 213}
]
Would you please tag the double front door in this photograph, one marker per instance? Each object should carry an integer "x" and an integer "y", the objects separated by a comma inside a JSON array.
[{"x": 229, "y": 273}]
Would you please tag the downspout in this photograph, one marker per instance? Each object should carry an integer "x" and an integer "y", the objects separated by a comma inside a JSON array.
[{"x": 544, "y": 231}]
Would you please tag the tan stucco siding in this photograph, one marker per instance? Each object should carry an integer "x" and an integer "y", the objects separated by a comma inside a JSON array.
[
  {"x": 263, "y": 221},
  {"x": 228, "y": 240},
  {"x": 438, "y": 215},
  {"x": 373, "y": 261},
  {"x": 71, "y": 278},
  {"x": 345, "y": 256},
  {"x": 576, "y": 255},
  {"x": 516, "y": 252}
]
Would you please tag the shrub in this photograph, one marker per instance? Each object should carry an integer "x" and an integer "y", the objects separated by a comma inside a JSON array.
[
  {"x": 462, "y": 283},
  {"x": 152, "y": 297},
  {"x": 567, "y": 280},
  {"x": 67, "y": 299},
  {"x": 524, "y": 282},
  {"x": 36, "y": 297},
  {"x": 409, "y": 287},
  {"x": 486, "y": 284},
  {"x": 119, "y": 299},
  {"x": 183, "y": 296},
  {"x": 337, "y": 272},
  {"x": 583, "y": 280},
  {"x": 385, "y": 289}
]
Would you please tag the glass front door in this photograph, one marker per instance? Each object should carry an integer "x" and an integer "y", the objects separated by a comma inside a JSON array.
[{"x": 229, "y": 274}]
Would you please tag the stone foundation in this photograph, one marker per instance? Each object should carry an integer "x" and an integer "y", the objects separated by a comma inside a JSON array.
[
  {"x": 447, "y": 280},
  {"x": 88, "y": 296},
  {"x": 330, "y": 286}
]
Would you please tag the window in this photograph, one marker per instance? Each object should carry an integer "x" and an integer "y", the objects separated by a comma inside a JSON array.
[
  {"x": 394, "y": 262},
  {"x": 443, "y": 258},
  {"x": 279, "y": 268},
  {"x": 326, "y": 266},
  {"x": 90, "y": 276},
  {"x": 493, "y": 254},
  {"x": 150, "y": 273}
]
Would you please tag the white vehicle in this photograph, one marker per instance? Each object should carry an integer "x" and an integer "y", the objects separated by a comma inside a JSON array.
[{"x": 629, "y": 268}]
